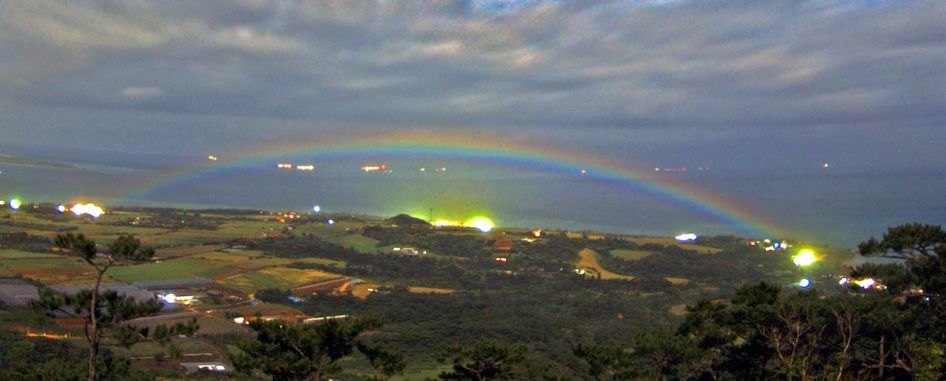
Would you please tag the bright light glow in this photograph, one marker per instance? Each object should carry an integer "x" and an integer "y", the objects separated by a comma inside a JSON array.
[
  {"x": 2, "y": 203},
  {"x": 331, "y": 222},
  {"x": 686, "y": 237},
  {"x": 15, "y": 204},
  {"x": 866, "y": 283},
  {"x": 442, "y": 223},
  {"x": 317, "y": 209},
  {"x": 307, "y": 167},
  {"x": 804, "y": 283},
  {"x": 90, "y": 209},
  {"x": 843, "y": 281},
  {"x": 169, "y": 298},
  {"x": 804, "y": 258},
  {"x": 212, "y": 158},
  {"x": 482, "y": 223},
  {"x": 60, "y": 208}
]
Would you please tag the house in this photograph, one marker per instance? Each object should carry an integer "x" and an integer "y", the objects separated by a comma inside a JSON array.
[{"x": 194, "y": 367}]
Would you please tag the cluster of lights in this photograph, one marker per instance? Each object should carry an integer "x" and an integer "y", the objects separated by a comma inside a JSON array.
[
  {"x": 212, "y": 158},
  {"x": 483, "y": 224},
  {"x": 502, "y": 259},
  {"x": 768, "y": 245},
  {"x": 375, "y": 168},
  {"x": 866, "y": 283},
  {"x": 284, "y": 165},
  {"x": 90, "y": 209},
  {"x": 804, "y": 258}
]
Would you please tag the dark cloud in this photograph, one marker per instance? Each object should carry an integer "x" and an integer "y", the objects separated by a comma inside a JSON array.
[{"x": 742, "y": 66}]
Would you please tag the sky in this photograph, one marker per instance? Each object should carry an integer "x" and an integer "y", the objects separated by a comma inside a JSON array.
[{"x": 744, "y": 85}]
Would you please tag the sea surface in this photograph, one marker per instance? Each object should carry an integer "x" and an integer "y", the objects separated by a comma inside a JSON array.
[{"x": 821, "y": 206}]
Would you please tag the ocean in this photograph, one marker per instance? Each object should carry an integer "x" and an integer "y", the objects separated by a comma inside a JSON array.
[{"x": 819, "y": 206}]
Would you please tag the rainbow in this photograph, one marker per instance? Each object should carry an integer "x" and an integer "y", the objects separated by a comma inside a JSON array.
[{"x": 475, "y": 146}]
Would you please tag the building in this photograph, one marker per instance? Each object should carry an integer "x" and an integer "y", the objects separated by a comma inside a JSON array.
[{"x": 194, "y": 367}]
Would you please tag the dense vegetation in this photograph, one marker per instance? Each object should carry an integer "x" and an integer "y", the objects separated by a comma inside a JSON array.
[{"x": 458, "y": 313}]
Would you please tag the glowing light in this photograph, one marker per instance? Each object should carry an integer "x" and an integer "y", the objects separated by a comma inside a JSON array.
[
  {"x": 824, "y": 166},
  {"x": 804, "y": 258},
  {"x": 307, "y": 167},
  {"x": 284, "y": 165},
  {"x": 60, "y": 208},
  {"x": 212, "y": 158},
  {"x": 15, "y": 204},
  {"x": 537, "y": 233},
  {"x": 583, "y": 171},
  {"x": 91, "y": 209},
  {"x": 442, "y": 223},
  {"x": 686, "y": 237},
  {"x": 866, "y": 283},
  {"x": 804, "y": 283},
  {"x": 843, "y": 281},
  {"x": 2, "y": 203},
  {"x": 169, "y": 298},
  {"x": 482, "y": 223},
  {"x": 374, "y": 168},
  {"x": 331, "y": 222}
]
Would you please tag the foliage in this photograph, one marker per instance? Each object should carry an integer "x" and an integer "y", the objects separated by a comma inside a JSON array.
[
  {"x": 105, "y": 313},
  {"x": 484, "y": 360},
  {"x": 385, "y": 361},
  {"x": 302, "y": 351}
]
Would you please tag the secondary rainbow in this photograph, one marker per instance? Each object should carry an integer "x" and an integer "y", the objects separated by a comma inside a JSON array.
[{"x": 475, "y": 146}]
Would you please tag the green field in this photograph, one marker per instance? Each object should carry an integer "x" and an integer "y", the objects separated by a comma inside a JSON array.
[
  {"x": 630, "y": 255},
  {"x": 169, "y": 269},
  {"x": 276, "y": 277}
]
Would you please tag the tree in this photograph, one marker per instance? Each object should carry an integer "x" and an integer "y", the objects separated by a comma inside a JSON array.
[
  {"x": 485, "y": 360},
  {"x": 302, "y": 351},
  {"x": 105, "y": 313},
  {"x": 910, "y": 241},
  {"x": 607, "y": 362},
  {"x": 385, "y": 361}
]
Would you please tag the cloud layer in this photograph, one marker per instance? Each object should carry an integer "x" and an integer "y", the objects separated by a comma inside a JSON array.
[
  {"x": 720, "y": 67},
  {"x": 616, "y": 64}
]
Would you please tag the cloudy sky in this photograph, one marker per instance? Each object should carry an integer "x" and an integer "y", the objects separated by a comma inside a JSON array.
[{"x": 740, "y": 84}]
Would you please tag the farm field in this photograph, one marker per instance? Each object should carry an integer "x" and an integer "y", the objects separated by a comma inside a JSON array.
[
  {"x": 670, "y": 241},
  {"x": 275, "y": 277},
  {"x": 630, "y": 255},
  {"x": 589, "y": 259}
]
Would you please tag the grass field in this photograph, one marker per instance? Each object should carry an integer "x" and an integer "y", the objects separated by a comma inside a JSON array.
[
  {"x": 16, "y": 254},
  {"x": 183, "y": 251},
  {"x": 52, "y": 270},
  {"x": 358, "y": 242},
  {"x": 589, "y": 259},
  {"x": 669, "y": 241},
  {"x": 430, "y": 290},
  {"x": 276, "y": 277},
  {"x": 677, "y": 281},
  {"x": 630, "y": 255},
  {"x": 181, "y": 268}
]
